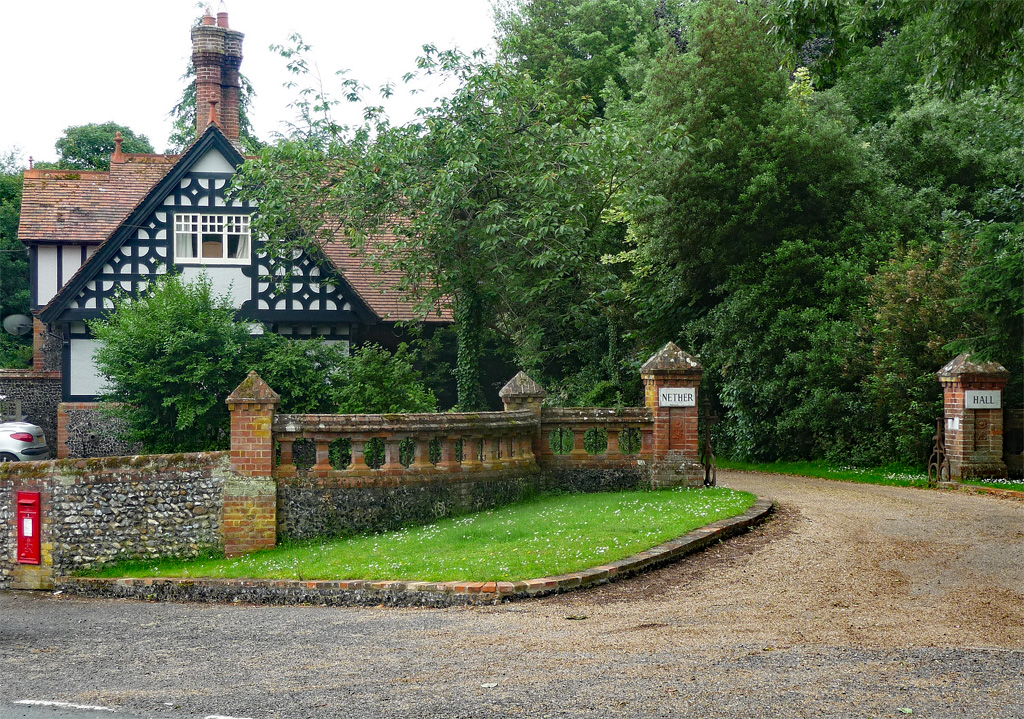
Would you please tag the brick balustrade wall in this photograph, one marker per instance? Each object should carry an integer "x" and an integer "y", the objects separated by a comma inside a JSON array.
[{"x": 424, "y": 466}]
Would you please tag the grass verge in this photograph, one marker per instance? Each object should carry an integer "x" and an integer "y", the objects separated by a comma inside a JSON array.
[
  {"x": 898, "y": 476},
  {"x": 1014, "y": 484},
  {"x": 553, "y": 534}
]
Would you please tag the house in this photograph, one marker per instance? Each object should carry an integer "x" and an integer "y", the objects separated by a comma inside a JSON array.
[{"x": 94, "y": 236}]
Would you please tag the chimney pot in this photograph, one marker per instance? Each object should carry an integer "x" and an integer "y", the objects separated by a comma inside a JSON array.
[
  {"x": 208, "y": 16},
  {"x": 118, "y": 156},
  {"x": 222, "y": 15}
]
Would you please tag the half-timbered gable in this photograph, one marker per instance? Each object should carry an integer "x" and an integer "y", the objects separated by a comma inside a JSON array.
[{"x": 189, "y": 225}]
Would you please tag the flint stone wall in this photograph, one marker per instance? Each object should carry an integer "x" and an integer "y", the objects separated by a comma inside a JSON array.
[
  {"x": 86, "y": 431},
  {"x": 101, "y": 510},
  {"x": 39, "y": 392}
]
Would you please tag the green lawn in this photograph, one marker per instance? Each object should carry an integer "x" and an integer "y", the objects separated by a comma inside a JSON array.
[
  {"x": 553, "y": 534},
  {"x": 895, "y": 475}
]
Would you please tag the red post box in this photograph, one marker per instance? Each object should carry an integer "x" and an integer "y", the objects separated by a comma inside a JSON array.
[{"x": 29, "y": 527}]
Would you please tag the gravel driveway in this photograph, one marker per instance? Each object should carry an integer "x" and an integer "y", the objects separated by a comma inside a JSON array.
[{"x": 854, "y": 601}]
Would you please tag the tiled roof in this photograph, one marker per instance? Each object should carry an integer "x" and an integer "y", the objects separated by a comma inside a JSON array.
[
  {"x": 85, "y": 207},
  {"x": 376, "y": 287}
]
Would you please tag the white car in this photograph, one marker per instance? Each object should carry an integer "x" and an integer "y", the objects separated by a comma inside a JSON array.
[{"x": 22, "y": 442}]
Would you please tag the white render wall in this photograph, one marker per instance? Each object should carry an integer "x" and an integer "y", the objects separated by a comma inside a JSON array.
[
  {"x": 223, "y": 281},
  {"x": 46, "y": 273},
  {"x": 85, "y": 379}
]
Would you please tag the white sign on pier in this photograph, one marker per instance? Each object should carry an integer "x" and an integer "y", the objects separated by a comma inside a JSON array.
[
  {"x": 983, "y": 399},
  {"x": 677, "y": 397}
]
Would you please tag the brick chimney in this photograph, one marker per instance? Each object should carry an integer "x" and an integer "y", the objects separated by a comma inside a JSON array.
[{"x": 217, "y": 57}]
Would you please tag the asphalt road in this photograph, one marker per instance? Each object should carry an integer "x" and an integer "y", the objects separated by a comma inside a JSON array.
[{"x": 855, "y": 601}]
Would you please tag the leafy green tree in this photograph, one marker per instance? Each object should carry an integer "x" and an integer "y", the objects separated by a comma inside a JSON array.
[
  {"x": 304, "y": 372},
  {"x": 14, "y": 291},
  {"x": 14, "y": 295},
  {"x": 586, "y": 47},
  {"x": 170, "y": 357},
  {"x": 491, "y": 198},
  {"x": 89, "y": 147},
  {"x": 962, "y": 44},
  {"x": 375, "y": 381},
  {"x": 755, "y": 256}
]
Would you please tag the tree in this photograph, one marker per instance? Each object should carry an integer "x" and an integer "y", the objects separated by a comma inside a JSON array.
[
  {"x": 491, "y": 198},
  {"x": 170, "y": 359},
  {"x": 89, "y": 147},
  {"x": 14, "y": 295},
  {"x": 961, "y": 43},
  {"x": 586, "y": 47},
  {"x": 14, "y": 290},
  {"x": 373, "y": 380}
]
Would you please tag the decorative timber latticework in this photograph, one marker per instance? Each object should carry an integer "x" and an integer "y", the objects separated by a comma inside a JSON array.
[{"x": 300, "y": 286}]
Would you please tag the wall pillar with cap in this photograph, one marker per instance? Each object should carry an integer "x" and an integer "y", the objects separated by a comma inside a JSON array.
[
  {"x": 249, "y": 521},
  {"x": 973, "y": 414},
  {"x": 522, "y": 392},
  {"x": 671, "y": 382}
]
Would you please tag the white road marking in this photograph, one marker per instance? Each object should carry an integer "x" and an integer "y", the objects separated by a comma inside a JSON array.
[
  {"x": 221, "y": 716},
  {"x": 63, "y": 705}
]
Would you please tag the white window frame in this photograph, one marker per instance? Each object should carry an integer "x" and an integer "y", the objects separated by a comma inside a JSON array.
[{"x": 196, "y": 225}]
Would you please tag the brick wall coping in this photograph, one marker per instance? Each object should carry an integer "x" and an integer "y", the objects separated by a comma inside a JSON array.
[
  {"x": 28, "y": 374},
  {"x": 597, "y": 415},
  {"x": 361, "y": 592},
  {"x": 99, "y": 467},
  {"x": 440, "y": 423}
]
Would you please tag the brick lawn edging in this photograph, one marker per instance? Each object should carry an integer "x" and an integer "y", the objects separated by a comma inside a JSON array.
[
  {"x": 979, "y": 489},
  {"x": 398, "y": 593}
]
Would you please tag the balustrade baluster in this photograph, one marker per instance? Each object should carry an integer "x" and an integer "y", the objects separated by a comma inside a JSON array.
[
  {"x": 392, "y": 462},
  {"x": 287, "y": 465},
  {"x": 579, "y": 450},
  {"x": 471, "y": 453},
  {"x": 613, "y": 451},
  {"x": 647, "y": 441},
  {"x": 359, "y": 464},
  {"x": 422, "y": 462},
  {"x": 492, "y": 452},
  {"x": 323, "y": 455},
  {"x": 449, "y": 462}
]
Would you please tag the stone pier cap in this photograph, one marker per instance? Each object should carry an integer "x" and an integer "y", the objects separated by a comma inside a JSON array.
[
  {"x": 672, "y": 359},
  {"x": 963, "y": 366}
]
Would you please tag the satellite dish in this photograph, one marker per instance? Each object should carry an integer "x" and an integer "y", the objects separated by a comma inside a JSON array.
[{"x": 18, "y": 324}]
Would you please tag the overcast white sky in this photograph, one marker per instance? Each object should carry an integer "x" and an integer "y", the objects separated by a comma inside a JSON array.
[{"x": 72, "y": 62}]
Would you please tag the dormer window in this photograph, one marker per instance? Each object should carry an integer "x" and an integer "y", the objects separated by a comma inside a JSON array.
[{"x": 211, "y": 239}]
